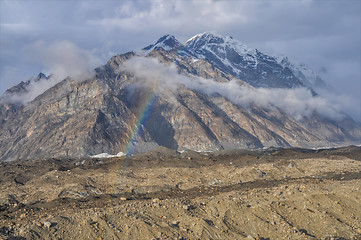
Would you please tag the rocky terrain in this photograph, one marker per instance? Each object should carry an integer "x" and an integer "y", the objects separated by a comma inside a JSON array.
[{"x": 164, "y": 194}]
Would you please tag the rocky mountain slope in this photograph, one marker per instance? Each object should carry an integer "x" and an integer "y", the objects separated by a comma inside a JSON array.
[{"x": 170, "y": 97}]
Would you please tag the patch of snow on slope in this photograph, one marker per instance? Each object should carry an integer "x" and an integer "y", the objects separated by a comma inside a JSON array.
[{"x": 107, "y": 155}]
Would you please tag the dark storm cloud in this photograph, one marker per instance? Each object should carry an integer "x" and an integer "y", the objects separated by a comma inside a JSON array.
[{"x": 325, "y": 34}]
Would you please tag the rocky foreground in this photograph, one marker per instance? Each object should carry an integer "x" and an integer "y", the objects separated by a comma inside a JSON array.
[{"x": 271, "y": 194}]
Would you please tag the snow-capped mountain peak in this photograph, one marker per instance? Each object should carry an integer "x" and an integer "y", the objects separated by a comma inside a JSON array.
[
  {"x": 167, "y": 43},
  {"x": 202, "y": 39},
  {"x": 304, "y": 73},
  {"x": 235, "y": 58},
  {"x": 211, "y": 40}
]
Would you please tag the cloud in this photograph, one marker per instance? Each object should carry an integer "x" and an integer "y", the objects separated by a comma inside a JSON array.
[
  {"x": 34, "y": 89},
  {"x": 297, "y": 102},
  {"x": 172, "y": 14},
  {"x": 15, "y": 27},
  {"x": 317, "y": 32},
  {"x": 61, "y": 59},
  {"x": 64, "y": 59}
]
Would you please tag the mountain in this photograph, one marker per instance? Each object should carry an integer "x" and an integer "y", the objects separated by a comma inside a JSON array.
[
  {"x": 235, "y": 58},
  {"x": 305, "y": 74},
  {"x": 167, "y": 42},
  {"x": 177, "y": 96},
  {"x": 22, "y": 87}
]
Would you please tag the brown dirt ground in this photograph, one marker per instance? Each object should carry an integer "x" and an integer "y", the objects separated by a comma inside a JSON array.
[{"x": 270, "y": 194}]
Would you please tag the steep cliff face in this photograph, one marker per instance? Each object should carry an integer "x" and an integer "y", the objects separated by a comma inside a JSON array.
[{"x": 120, "y": 110}]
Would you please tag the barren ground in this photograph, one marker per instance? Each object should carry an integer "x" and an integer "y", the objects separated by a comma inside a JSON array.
[{"x": 273, "y": 194}]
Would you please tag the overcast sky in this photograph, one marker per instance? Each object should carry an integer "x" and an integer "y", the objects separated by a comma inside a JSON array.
[{"x": 36, "y": 35}]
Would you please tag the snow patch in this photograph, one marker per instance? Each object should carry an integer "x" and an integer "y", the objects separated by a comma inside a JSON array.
[
  {"x": 107, "y": 155},
  {"x": 204, "y": 151}
]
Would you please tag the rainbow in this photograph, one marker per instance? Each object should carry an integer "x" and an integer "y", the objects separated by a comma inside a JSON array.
[
  {"x": 141, "y": 116},
  {"x": 140, "y": 120}
]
